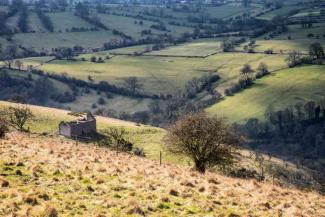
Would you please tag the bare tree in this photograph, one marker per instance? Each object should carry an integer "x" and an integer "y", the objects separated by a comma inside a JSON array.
[
  {"x": 262, "y": 68},
  {"x": 19, "y": 64},
  {"x": 260, "y": 163},
  {"x": 316, "y": 50},
  {"x": 133, "y": 84},
  {"x": 17, "y": 116},
  {"x": 294, "y": 58},
  {"x": 3, "y": 127},
  {"x": 117, "y": 139},
  {"x": 207, "y": 141},
  {"x": 246, "y": 69}
]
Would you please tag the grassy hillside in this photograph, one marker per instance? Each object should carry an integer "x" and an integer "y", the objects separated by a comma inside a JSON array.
[
  {"x": 35, "y": 23},
  {"x": 149, "y": 138},
  {"x": 82, "y": 101},
  {"x": 283, "y": 11},
  {"x": 296, "y": 38},
  {"x": 279, "y": 90},
  {"x": 164, "y": 74},
  {"x": 67, "y": 20},
  {"x": 197, "y": 48},
  {"x": 54, "y": 177},
  {"x": 47, "y": 41}
]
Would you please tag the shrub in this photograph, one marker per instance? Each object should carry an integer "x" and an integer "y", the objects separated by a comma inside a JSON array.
[
  {"x": 17, "y": 117},
  {"x": 207, "y": 141},
  {"x": 310, "y": 35},
  {"x": 3, "y": 128},
  {"x": 101, "y": 101},
  {"x": 119, "y": 142},
  {"x": 139, "y": 152},
  {"x": 93, "y": 59}
]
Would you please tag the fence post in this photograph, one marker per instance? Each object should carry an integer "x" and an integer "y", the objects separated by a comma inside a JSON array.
[{"x": 160, "y": 158}]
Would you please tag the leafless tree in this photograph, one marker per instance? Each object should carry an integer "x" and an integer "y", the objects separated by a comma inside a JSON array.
[
  {"x": 3, "y": 127},
  {"x": 208, "y": 141},
  {"x": 17, "y": 116},
  {"x": 262, "y": 68},
  {"x": 8, "y": 63},
  {"x": 19, "y": 64},
  {"x": 117, "y": 139},
  {"x": 133, "y": 84},
  {"x": 294, "y": 58},
  {"x": 246, "y": 69}
]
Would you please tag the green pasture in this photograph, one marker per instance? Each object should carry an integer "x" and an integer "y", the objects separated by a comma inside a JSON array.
[
  {"x": 307, "y": 13},
  {"x": 127, "y": 25},
  {"x": 195, "y": 48},
  {"x": 119, "y": 51},
  {"x": 35, "y": 23},
  {"x": 284, "y": 46},
  {"x": 297, "y": 32},
  {"x": 296, "y": 38},
  {"x": 283, "y": 11},
  {"x": 284, "y": 88},
  {"x": 11, "y": 22},
  {"x": 67, "y": 20},
  {"x": 163, "y": 74},
  {"x": 47, "y": 41},
  {"x": 226, "y": 11}
]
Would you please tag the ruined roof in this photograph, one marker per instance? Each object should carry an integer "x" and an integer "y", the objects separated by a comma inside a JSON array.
[{"x": 88, "y": 118}]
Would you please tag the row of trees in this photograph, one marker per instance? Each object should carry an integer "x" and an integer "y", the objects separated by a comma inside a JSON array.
[
  {"x": 23, "y": 20},
  {"x": 316, "y": 52},
  {"x": 247, "y": 77},
  {"x": 296, "y": 132},
  {"x": 82, "y": 10}
]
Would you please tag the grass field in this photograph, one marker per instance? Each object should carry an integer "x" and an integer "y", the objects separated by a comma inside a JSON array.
[
  {"x": 196, "y": 48},
  {"x": 284, "y": 46},
  {"x": 225, "y": 11},
  {"x": 297, "y": 32},
  {"x": 115, "y": 103},
  {"x": 279, "y": 90},
  {"x": 67, "y": 20},
  {"x": 35, "y": 23},
  {"x": 283, "y": 11},
  {"x": 307, "y": 13},
  {"x": 127, "y": 25},
  {"x": 299, "y": 40},
  {"x": 39, "y": 41},
  {"x": 164, "y": 74},
  {"x": 11, "y": 22},
  {"x": 129, "y": 50}
]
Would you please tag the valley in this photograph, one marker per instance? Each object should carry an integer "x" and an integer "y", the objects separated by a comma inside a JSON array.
[{"x": 203, "y": 108}]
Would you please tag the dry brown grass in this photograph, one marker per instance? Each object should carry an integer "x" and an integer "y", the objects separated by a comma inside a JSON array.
[{"x": 60, "y": 178}]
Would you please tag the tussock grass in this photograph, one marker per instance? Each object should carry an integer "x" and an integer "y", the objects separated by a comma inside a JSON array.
[{"x": 61, "y": 178}]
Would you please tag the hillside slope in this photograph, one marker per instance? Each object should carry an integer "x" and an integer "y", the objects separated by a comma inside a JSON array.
[
  {"x": 44, "y": 176},
  {"x": 279, "y": 90}
]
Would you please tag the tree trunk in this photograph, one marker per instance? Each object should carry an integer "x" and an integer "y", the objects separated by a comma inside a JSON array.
[{"x": 200, "y": 166}]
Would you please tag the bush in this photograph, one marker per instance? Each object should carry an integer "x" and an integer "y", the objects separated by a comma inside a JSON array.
[
  {"x": 3, "y": 128},
  {"x": 93, "y": 59},
  {"x": 101, "y": 101},
  {"x": 310, "y": 35},
  {"x": 118, "y": 140},
  {"x": 139, "y": 152},
  {"x": 207, "y": 141}
]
